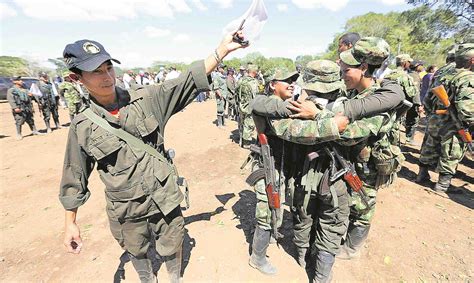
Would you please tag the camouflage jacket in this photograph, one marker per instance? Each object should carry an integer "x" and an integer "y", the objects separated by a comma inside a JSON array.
[
  {"x": 441, "y": 77},
  {"x": 246, "y": 90},
  {"x": 412, "y": 93},
  {"x": 70, "y": 93}
]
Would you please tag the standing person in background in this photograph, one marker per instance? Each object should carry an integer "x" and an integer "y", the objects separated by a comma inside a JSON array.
[
  {"x": 173, "y": 74},
  {"x": 347, "y": 41},
  {"x": 220, "y": 89},
  {"x": 247, "y": 89},
  {"x": 71, "y": 94},
  {"x": 49, "y": 105},
  {"x": 413, "y": 114},
  {"x": 426, "y": 81},
  {"x": 22, "y": 107},
  {"x": 231, "y": 85}
]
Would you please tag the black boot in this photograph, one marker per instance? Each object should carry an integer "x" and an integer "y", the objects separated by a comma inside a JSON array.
[
  {"x": 423, "y": 174},
  {"x": 58, "y": 125},
  {"x": 219, "y": 121},
  {"x": 444, "y": 181},
  {"x": 173, "y": 265},
  {"x": 258, "y": 259},
  {"x": 144, "y": 269},
  {"x": 324, "y": 263},
  {"x": 355, "y": 239},
  {"x": 18, "y": 132}
]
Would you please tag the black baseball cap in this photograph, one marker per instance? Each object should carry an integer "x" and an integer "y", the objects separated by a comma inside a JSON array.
[{"x": 86, "y": 55}]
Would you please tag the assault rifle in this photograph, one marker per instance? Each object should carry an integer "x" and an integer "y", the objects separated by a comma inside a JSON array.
[
  {"x": 267, "y": 173},
  {"x": 463, "y": 132},
  {"x": 348, "y": 173}
]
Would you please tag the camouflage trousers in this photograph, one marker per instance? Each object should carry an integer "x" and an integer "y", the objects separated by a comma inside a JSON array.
[
  {"x": 411, "y": 121},
  {"x": 21, "y": 118},
  {"x": 327, "y": 222},
  {"x": 444, "y": 152},
  {"x": 263, "y": 214},
  {"x": 49, "y": 111},
  {"x": 221, "y": 103},
  {"x": 135, "y": 236},
  {"x": 360, "y": 214},
  {"x": 248, "y": 126}
]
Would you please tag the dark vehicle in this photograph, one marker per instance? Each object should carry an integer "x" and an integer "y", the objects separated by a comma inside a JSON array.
[{"x": 5, "y": 84}]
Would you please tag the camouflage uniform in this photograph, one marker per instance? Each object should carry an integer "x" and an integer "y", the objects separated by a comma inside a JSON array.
[
  {"x": 247, "y": 89},
  {"x": 442, "y": 147},
  {"x": 219, "y": 84},
  {"x": 19, "y": 99},
  {"x": 261, "y": 238},
  {"x": 48, "y": 104},
  {"x": 412, "y": 94},
  {"x": 72, "y": 96}
]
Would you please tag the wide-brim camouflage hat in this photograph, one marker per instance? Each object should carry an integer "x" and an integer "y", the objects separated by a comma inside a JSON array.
[
  {"x": 403, "y": 58},
  {"x": 465, "y": 50},
  {"x": 284, "y": 75},
  {"x": 370, "y": 50},
  {"x": 322, "y": 76}
]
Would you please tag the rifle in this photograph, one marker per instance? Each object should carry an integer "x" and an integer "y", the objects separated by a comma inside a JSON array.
[
  {"x": 348, "y": 173},
  {"x": 443, "y": 97},
  {"x": 272, "y": 187}
]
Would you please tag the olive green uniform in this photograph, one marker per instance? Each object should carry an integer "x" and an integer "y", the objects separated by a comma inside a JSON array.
[
  {"x": 48, "y": 103},
  {"x": 219, "y": 84},
  {"x": 140, "y": 190},
  {"x": 19, "y": 98}
]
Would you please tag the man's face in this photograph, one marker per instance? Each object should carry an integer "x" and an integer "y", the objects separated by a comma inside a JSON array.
[
  {"x": 101, "y": 81},
  {"x": 283, "y": 89},
  {"x": 351, "y": 75},
  {"x": 343, "y": 47}
]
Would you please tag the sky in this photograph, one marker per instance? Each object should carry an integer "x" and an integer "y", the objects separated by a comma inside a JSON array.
[{"x": 139, "y": 32}]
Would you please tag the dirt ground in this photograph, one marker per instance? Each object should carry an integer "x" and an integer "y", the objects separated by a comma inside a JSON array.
[{"x": 417, "y": 235}]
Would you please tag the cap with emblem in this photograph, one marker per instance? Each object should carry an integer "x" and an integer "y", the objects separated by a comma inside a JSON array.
[
  {"x": 322, "y": 76},
  {"x": 465, "y": 50},
  {"x": 370, "y": 50},
  {"x": 284, "y": 75},
  {"x": 403, "y": 58},
  {"x": 86, "y": 55}
]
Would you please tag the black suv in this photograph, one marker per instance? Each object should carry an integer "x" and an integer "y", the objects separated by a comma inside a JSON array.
[{"x": 5, "y": 84}]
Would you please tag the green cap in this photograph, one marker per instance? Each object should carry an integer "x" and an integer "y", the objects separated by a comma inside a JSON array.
[
  {"x": 465, "y": 50},
  {"x": 403, "y": 58},
  {"x": 322, "y": 76},
  {"x": 284, "y": 75},
  {"x": 370, "y": 50},
  {"x": 252, "y": 68}
]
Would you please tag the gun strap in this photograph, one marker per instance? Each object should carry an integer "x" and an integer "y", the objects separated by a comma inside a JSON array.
[{"x": 132, "y": 141}]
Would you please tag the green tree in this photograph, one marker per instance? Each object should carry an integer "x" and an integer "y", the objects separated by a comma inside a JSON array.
[{"x": 14, "y": 66}]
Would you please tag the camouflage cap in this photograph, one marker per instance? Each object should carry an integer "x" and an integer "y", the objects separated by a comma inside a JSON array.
[
  {"x": 403, "y": 58},
  {"x": 370, "y": 50},
  {"x": 465, "y": 50},
  {"x": 284, "y": 75},
  {"x": 252, "y": 68},
  {"x": 322, "y": 76}
]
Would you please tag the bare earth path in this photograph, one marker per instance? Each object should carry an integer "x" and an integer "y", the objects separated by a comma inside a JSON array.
[{"x": 417, "y": 235}]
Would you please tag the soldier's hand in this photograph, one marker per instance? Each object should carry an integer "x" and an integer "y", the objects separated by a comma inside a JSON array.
[
  {"x": 341, "y": 121},
  {"x": 17, "y": 110},
  {"x": 303, "y": 110},
  {"x": 229, "y": 44},
  {"x": 72, "y": 238}
]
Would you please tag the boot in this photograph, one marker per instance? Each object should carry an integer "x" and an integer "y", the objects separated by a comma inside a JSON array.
[
  {"x": 301, "y": 256},
  {"x": 246, "y": 144},
  {"x": 48, "y": 127},
  {"x": 219, "y": 121},
  {"x": 423, "y": 174},
  {"x": 173, "y": 265},
  {"x": 258, "y": 259},
  {"x": 35, "y": 132},
  {"x": 324, "y": 263},
  {"x": 223, "y": 120},
  {"x": 355, "y": 239},
  {"x": 18, "y": 132},
  {"x": 58, "y": 125},
  {"x": 144, "y": 269},
  {"x": 444, "y": 181}
]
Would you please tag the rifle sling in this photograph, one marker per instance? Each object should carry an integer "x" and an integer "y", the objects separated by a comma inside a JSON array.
[{"x": 131, "y": 140}]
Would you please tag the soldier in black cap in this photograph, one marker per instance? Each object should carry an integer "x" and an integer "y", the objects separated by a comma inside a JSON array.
[
  {"x": 22, "y": 107},
  {"x": 122, "y": 132},
  {"x": 47, "y": 100}
]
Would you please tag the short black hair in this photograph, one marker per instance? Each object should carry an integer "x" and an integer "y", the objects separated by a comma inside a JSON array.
[
  {"x": 76, "y": 71},
  {"x": 349, "y": 38}
]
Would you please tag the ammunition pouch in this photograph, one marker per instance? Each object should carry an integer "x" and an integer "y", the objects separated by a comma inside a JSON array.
[{"x": 386, "y": 157}]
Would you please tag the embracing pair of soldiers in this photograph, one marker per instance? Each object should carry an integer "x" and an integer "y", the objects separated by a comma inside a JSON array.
[{"x": 333, "y": 158}]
